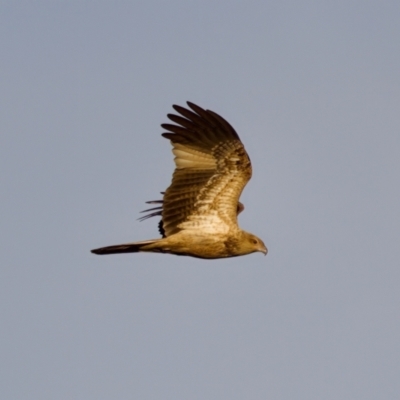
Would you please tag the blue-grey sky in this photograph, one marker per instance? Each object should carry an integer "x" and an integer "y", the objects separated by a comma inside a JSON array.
[{"x": 313, "y": 89}]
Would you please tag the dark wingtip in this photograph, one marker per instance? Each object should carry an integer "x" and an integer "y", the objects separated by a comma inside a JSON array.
[
  {"x": 168, "y": 135},
  {"x": 177, "y": 107},
  {"x": 197, "y": 109}
]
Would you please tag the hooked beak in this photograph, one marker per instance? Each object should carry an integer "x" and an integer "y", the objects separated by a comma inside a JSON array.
[{"x": 264, "y": 250}]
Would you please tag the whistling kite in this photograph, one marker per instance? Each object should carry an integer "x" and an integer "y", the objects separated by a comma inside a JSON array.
[{"x": 199, "y": 209}]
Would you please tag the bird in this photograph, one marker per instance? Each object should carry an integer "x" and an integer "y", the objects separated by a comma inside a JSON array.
[{"x": 200, "y": 207}]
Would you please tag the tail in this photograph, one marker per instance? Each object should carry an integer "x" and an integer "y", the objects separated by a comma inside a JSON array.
[{"x": 124, "y": 248}]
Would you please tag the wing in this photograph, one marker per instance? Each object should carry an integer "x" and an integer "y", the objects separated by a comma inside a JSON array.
[
  {"x": 157, "y": 211},
  {"x": 212, "y": 168}
]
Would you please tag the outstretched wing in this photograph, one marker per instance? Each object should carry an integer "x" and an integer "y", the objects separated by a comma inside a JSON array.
[{"x": 212, "y": 168}]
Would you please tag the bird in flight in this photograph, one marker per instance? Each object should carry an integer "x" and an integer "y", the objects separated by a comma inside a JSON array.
[{"x": 199, "y": 209}]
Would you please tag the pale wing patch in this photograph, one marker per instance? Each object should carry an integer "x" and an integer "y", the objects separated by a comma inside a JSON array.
[
  {"x": 209, "y": 224},
  {"x": 212, "y": 205},
  {"x": 186, "y": 157}
]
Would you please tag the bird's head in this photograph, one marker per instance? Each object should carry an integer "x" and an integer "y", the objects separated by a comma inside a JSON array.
[{"x": 251, "y": 243}]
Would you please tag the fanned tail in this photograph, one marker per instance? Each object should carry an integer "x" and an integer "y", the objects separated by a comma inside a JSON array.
[{"x": 124, "y": 248}]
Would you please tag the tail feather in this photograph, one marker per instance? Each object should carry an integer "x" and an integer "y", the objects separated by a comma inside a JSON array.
[{"x": 124, "y": 248}]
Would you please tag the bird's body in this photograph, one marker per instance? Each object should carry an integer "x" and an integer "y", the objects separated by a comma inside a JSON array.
[
  {"x": 187, "y": 243},
  {"x": 199, "y": 209}
]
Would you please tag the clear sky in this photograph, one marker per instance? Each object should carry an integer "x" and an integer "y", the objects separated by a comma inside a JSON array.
[{"x": 312, "y": 88}]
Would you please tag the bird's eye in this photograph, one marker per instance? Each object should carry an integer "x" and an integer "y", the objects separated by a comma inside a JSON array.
[{"x": 254, "y": 241}]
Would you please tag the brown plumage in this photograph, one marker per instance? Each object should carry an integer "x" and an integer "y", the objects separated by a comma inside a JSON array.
[{"x": 199, "y": 209}]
